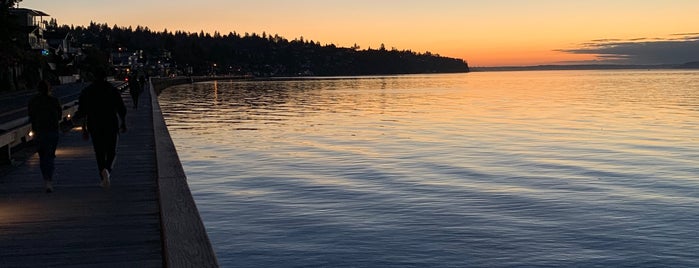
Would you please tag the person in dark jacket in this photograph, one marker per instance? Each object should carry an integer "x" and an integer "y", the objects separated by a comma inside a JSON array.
[
  {"x": 44, "y": 114},
  {"x": 135, "y": 89},
  {"x": 104, "y": 114}
]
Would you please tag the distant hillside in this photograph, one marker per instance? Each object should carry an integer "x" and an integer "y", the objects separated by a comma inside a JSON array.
[
  {"x": 690, "y": 65},
  {"x": 260, "y": 55},
  {"x": 572, "y": 67}
]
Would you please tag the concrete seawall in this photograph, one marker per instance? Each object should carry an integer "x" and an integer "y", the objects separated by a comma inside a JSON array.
[{"x": 185, "y": 242}]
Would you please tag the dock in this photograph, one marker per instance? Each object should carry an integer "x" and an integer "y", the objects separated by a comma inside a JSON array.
[{"x": 147, "y": 218}]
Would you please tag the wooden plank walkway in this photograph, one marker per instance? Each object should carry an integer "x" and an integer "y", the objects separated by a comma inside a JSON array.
[{"x": 80, "y": 224}]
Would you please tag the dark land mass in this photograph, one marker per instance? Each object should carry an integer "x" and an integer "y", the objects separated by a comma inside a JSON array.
[
  {"x": 689, "y": 65},
  {"x": 201, "y": 53}
]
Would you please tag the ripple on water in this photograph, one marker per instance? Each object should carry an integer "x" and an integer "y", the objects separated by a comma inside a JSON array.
[{"x": 588, "y": 169}]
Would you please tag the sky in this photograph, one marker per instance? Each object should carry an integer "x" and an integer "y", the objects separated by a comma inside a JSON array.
[{"x": 484, "y": 33}]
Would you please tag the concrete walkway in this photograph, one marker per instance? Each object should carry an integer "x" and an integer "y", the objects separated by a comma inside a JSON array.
[{"x": 80, "y": 224}]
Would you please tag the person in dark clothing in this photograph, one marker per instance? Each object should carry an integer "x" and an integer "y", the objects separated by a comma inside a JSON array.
[
  {"x": 135, "y": 89},
  {"x": 44, "y": 113},
  {"x": 142, "y": 81},
  {"x": 104, "y": 115}
]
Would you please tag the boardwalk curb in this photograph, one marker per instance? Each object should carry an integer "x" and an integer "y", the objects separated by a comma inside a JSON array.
[{"x": 185, "y": 241}]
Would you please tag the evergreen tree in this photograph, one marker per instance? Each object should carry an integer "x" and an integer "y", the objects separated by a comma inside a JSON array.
[{"x": 260, "y": 55}]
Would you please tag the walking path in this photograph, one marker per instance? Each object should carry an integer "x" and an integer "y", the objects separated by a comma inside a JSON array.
[{"x": 80, "y": 224}]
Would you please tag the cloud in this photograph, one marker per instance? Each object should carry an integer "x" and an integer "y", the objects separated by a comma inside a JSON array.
[
  {"x": 685, "y": 34},
  {"x": 675, "y": 49}
]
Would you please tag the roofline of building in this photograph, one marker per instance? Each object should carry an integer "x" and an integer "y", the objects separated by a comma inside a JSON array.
[{"x": 29, "y": 11}]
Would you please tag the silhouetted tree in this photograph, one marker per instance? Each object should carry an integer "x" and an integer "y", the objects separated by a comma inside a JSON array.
[
  {"x": 263, "y": 55},
  {"x": 94, "y": 59}
]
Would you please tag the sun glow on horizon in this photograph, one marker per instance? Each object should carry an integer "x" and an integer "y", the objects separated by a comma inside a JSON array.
[{"x": 492, "y": 33}]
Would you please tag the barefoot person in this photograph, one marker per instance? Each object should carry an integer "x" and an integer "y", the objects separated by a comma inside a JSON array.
[
  {"x": 104, "y": 115},
  {"x": 44, "y": 114}
]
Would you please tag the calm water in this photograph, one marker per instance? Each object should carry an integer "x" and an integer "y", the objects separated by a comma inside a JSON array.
[{"x": 501, "y": 169}]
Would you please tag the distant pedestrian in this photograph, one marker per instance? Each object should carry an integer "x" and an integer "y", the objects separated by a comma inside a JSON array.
[
  {"x": 135, "y": 89},
  {"x": 44, "y": 114},
  {"x": 142, "y": 80},
  {"x": 104, "y": 115}
]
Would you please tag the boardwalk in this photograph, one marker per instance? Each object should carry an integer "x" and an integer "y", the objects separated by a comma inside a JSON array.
[{"x": 81, "y": 224}]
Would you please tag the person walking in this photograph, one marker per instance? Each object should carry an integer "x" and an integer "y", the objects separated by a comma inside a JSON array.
[
  {"x": 104, "y": 115},
  {"x": 135, "y": 89},
  {"x": 44, "y": 114},
  {"x": 143, "y": 81}
]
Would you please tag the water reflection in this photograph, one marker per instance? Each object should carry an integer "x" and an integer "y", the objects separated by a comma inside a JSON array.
[
  {"x": 582, "y": 168},
  {"x": 273, "y": 102}
]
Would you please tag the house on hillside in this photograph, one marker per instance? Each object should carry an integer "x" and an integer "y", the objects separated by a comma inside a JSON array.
[
  {"x": 64, "y": 56},
  {"x": 60, "y": 42},
  {"x": 32, "y": 26},
  {"x": 26, "y": 33}
]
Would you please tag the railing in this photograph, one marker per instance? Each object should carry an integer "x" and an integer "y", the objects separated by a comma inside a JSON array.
[{"x": 16, "y": 132}]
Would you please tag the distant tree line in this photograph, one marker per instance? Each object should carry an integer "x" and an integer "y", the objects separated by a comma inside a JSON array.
[{"x": 260, "y": 55}]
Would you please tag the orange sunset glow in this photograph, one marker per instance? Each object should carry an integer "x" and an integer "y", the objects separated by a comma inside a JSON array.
[
  {"x": 363, "y": 133},
  {"x": 485, "y": 33}
]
